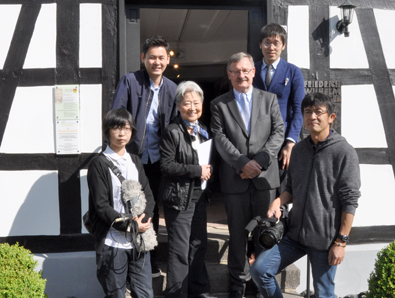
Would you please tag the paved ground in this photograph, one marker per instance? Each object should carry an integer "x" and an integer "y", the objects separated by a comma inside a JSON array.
[
  {"x": 253, "y": 296},
  {"x": 286, "y": 295}
]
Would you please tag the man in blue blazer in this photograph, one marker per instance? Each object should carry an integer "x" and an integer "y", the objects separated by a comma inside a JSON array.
[
  {"x": 150, "y": 97},
  {"x": 286, "y": 81}
]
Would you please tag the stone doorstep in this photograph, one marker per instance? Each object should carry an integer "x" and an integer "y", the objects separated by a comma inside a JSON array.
[
  {"x": 217, "y": 254},
  {"x": 216, "y": 262},
  {"x": 218, "y": 273}
]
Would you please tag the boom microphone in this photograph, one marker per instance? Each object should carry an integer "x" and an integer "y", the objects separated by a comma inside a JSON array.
[
  {"x": 134, "y": 195},
  {"x": 131, "y": 191}
]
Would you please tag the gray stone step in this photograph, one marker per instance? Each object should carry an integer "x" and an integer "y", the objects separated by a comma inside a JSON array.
[
  {"x": 217, "y": 255},
  {"x": 218, "y": 273}
]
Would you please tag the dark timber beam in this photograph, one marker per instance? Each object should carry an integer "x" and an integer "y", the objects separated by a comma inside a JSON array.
[
  {"x": 380, "y": 76},
  {"x": 15, "y": 59}
]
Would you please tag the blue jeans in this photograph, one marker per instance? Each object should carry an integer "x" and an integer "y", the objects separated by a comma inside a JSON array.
[
  {"x": 115, "y": 266},
  {"x": 272, "y": 261}
]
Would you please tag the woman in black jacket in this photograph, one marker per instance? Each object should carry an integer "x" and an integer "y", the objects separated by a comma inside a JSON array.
[
  {"x": 116, "y": 257},
  {"x": 181, "y": 195}
]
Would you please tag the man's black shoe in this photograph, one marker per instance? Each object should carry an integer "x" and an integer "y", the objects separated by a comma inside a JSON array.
[
  {"x": 236, "y": 294},
  {"x": 205, "y": 295}
]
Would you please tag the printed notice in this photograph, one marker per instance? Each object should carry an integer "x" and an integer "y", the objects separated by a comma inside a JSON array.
[
  {"x": 67, "y": 102},
  {"x": 68, "y": 137}
]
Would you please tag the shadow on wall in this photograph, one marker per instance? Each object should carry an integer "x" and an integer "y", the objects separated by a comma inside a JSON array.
[
  {"x": 323, "y": 37},
  {"x": 39, "y": 212},
  {"x": 33, "y": 195}
]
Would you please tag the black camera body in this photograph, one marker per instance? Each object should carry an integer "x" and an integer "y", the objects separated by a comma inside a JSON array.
[{"x": 271, "y": 231}]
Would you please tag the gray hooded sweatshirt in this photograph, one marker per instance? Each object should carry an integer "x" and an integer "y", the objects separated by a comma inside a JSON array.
[{"x": 324, "y": 181}]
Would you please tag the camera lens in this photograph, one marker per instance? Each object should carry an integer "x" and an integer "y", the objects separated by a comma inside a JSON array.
[{"x": 267, "y": 240}]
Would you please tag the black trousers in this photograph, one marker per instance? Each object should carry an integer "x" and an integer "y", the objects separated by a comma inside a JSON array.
[
  {"x": 115, "y": 266},
  {"x": 187, "y": 234},
  {"x": 153, "y": 173},
  {"x": 240, "y": 209}
]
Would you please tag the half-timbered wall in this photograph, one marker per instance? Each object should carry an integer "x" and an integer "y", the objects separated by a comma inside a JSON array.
[
  {"x": 53, "y": 42},
  {"x": 364, "y": 65},
  {"x": 47, "y": 43}
]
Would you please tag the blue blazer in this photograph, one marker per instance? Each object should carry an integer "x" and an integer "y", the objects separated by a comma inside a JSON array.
[
  {"x": 132, "y": 94},
  {"x": 288, "y": 84}
]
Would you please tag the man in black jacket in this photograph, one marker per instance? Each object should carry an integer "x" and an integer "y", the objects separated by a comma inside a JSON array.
[{"x": 149, "y": 97}]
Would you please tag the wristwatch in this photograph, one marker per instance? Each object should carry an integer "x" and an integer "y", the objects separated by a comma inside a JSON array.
[{"x": 344, "y": 238}]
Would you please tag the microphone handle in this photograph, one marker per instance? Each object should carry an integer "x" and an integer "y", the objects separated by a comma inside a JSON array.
[{"x": 128, "y": 207}]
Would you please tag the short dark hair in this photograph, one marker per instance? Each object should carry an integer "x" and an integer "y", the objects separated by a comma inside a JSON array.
[
  {"x": 117, "y": 118},
  {"x": 318, "y": 99},
  {"x": 155, "y": 41},
  {"x": 273, "y": 29}
]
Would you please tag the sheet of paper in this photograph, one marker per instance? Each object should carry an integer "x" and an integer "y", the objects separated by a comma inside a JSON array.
[
  {"x": 68, "y": 137},
  {"x": 67, "y": 102},
  {"x": 204, "y": 153}
]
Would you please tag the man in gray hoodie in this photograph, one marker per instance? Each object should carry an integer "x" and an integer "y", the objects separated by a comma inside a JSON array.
[{"x": 323, "y": 185}]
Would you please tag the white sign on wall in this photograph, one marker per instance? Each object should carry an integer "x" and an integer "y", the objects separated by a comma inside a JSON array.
[
  {"x": 67, "y": 102},
  {"x": 68, "y": 137},
  {"x": 67, "y": 115}
]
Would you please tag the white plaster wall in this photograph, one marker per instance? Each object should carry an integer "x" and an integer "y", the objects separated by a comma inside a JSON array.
[
  {"x": 29, "y": 203},
  {"x": 298, "y": 38},
  {"x": 42, "y": 47},
  {"x": 8, "y": 18},
  {"x": 346, "y": 52},
  {"x": 30, "y": 126},
  {"x": 90, "y": 35},
  {"x": 385, "y": 21},
  {"x": 77, "y": 277},
  {"x": 91, "y": 114},
  {"x": 376, "y": 204},
  {"x": 84, "y": 196},
  {"x": 361, "y": 123}
]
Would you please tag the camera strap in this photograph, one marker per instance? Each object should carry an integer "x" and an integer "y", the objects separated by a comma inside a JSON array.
[
  {"x": 117, "y": 172},
  {"x": 114, "y": 168}
]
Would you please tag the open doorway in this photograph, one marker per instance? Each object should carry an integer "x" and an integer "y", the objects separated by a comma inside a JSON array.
[
  {"x": 201, "y": 40},
  {"x": 203, "y": 36}
]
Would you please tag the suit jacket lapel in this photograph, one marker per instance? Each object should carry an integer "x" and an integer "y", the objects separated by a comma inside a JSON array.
[
  {"x": 278, "y": 75},
  {"x": 256, "y": 105},
  {"x": 234, "y": 110}
]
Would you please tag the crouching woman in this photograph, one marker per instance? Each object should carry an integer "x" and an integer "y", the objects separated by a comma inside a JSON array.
[{"x": 116, "y": 257}]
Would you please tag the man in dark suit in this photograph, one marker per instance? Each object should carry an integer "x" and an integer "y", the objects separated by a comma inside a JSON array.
[
  {"x": 248, "y": 133},
  {"x": 286, "y": 81}
]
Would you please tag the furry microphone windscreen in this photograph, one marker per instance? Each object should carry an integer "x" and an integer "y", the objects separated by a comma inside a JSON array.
[{"x": 133, "y": 193}]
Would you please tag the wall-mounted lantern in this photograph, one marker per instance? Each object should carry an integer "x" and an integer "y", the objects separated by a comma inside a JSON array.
[{"x": 347, "y": 11}]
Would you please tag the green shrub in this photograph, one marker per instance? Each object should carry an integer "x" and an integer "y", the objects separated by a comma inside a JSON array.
[
  {"x": 17, "y": 275},
  {"x": 382, "y": 279}
]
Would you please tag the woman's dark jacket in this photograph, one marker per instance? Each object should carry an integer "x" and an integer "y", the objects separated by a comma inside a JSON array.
[
  {"x": 179, "y": 164},
  {"x": 101, "y": 204}
]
